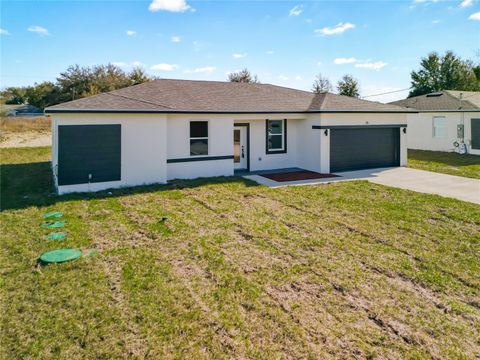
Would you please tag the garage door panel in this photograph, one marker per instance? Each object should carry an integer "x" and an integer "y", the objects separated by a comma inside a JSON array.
[
  {"x": 363, "y": 148},
  {"x": 89, "y": 149}
]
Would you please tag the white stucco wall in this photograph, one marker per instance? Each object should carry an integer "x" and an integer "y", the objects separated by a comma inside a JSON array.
[
  {"x": 149, "y": 140},
  {"x": 220, "y": 143},
  {"x": 143, "y": 147},
  {"x": 259, "y": 159},
  {"x": 421, "y": 131}
]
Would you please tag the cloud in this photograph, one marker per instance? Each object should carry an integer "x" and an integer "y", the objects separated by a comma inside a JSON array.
[
  {"x": 201, "y": 70},
  {"x": 131, "y": 33},
  {"x": 270, "y": 52},
  {"x": 120, "y": 64},
  {"x": 123, "y": 64},
  {"x": 298, "y": 77},
  {"x": 422, "y": 2},
  {"x": 4, "y": 32},
  {"x": 466, "y": 3},
  {"x": 377, "y": 65},
  {"x": 169, "y": 5},
  {"x": 434, "y": 22},
  {"x": 283, "y": 77},
  {"x": 239, "y": 56},
  {"x": 340, "y": 28},
  {"x": 342, "y": 61},
  {"x": 175, "y": 39},
  {"x": 296, "y": 10},
  {"x": 164, "y": 67},
  {"x": 475, "y": 16},
  {"x": 319, "y": 63},
  {"x": 39, "y": 30}
]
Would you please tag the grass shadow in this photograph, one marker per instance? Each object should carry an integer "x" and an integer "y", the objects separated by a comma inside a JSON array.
[
  {"x": 31, "y": 184},
  {"x": 447, "y": 158}
]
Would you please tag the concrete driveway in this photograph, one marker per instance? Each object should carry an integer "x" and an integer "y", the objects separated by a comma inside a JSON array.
[{"x": 456, "y": 187}]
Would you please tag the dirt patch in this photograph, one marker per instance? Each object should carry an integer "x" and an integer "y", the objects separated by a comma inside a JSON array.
[{"x": 25, "y": 139}]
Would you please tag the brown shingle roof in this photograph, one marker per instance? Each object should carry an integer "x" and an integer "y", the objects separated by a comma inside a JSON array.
[
  {"x": 169, "y": 96},
  {"x": 445, "y": 100}
]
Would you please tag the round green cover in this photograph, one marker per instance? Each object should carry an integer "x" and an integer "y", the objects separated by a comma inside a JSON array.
[
  {"x": 57, "y": 236},
  {"x": 60, "y": 255},
  {"x": 53, "y": 214},
  {"x": 53, "y": 224}
]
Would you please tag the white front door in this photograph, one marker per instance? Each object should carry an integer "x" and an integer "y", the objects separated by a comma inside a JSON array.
[{"x": 240, "y": 154}]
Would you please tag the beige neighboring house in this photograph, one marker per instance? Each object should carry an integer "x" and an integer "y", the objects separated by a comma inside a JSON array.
[{"x": 446, "y": 121}]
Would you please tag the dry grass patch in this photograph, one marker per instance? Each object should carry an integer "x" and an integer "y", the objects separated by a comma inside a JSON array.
[{"x": 25, "y": 132}]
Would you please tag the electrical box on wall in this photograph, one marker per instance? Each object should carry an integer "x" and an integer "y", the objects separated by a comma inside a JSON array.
[{"x": 460, "y": 131}]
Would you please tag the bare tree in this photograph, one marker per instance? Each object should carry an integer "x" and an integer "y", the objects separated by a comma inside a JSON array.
[
  {"x": 321, "y": 84},
  {"x": 243, "y": 76}
]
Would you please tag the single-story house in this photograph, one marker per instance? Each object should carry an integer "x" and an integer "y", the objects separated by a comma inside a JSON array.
[
  {"x": 446, "y": 121},
  {"x": 181, "y": 129}
]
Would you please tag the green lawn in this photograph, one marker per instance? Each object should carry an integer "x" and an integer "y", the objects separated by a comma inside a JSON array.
[
  {"x": 346, "y": 270},
  {"x": 445, "y": 162}
]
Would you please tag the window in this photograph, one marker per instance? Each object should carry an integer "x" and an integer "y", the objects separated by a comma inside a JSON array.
[
  {"x": 276, "y": 136},
  {"x": 439, "y": 127},
  {"x": 198, "y": 138}
]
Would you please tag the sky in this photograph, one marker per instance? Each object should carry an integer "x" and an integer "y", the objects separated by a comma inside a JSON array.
[{"x": 285, "y": 43}]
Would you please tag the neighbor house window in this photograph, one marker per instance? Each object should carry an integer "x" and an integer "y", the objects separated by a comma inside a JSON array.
[
  {"x": 198, "y": 138},
  {"x": 276, "y": 136},
  {"x": 439, "y": 127}
]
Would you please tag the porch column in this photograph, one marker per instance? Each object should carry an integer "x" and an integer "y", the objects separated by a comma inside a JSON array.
[{"x": 324, "y": 150}]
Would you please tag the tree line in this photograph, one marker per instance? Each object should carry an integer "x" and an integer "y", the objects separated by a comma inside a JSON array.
[
  {"x": 74, "y": 83},
  {"x": 436, "y": 73}
]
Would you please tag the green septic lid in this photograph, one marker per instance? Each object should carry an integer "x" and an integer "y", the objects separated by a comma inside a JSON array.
[
  {"x": 60, "y": 255},
  {"x": 53, "y": 224},
  {"x": 57, "y": 236},
  {"x": 53, "y": 214}
]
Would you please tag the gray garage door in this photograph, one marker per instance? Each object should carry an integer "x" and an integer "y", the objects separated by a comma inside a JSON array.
[
  {"x": 88, "y": 151},
  {"x": 475, "y": 134},
  {"x": 364, "y": 148}
]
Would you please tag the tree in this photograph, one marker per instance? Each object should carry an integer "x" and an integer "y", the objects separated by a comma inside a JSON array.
[
  {"x": 14, "y": 95},
  {"x": 243, "y": 76},
  {"x": 348, "y": 86},
  {"x": 43, "y": 94},
  {"x": 138, "y": 76},
  {"x": 447, "y": 72},
  {"x": 321, "y": 84}
]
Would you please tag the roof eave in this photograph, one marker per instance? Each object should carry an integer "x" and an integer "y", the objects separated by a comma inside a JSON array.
[{"x": 146, "y": 111}]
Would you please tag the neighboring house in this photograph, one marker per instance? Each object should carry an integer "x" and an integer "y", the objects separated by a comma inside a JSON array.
[
  {"x": 181, "y": 129},
  {"x": 21, "y": 110},
  {"x": 444, "y": 120}
]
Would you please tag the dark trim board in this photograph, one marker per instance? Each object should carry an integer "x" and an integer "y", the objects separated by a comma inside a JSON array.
[
  {"x": 199, "y": 158},
  {"x": 248, "y": 141},
  {"x": 357, "y": 126},
  {"x": 126, "y": 111}
]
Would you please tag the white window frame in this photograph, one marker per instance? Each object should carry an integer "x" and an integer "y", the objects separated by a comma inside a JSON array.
[
  {"x": 282, "y": 135},
  {"x": 436, "y": 126},
  {"x": 190, "y": 138}
]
